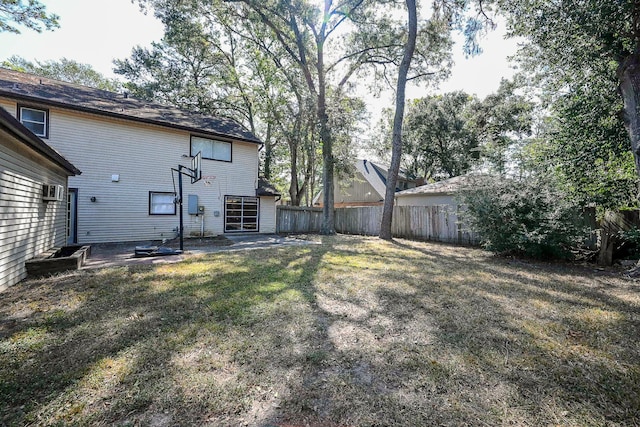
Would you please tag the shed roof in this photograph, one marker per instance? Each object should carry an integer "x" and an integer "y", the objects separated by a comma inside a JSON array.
[
  {"x": 16, "y": 129},
  {"x": 447, "y": 186},
  {"x": 32, "y": 88}
]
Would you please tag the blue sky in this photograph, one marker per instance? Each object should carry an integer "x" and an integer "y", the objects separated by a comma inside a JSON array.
[{"x": 97, "y": 31}]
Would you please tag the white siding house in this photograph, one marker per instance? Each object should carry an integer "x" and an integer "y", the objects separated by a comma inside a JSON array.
[
  {"x": 440, "y": 193},
  {"x": 29, "y": 224},
  {"x": 127, "y": 149}
]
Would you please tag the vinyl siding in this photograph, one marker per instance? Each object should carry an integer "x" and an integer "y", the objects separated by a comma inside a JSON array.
[
  {"x": 426, "y": 200},
  {"x": 267, "y": 215},
  {"x": 28, "y": 225},
  {"x": 356, "y": 189},
  {"x": 9, "y": 106},
  {"x": 143, "y": 156}
]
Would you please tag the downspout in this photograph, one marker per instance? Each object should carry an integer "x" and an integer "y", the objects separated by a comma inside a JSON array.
[{"x": 258, "y": 165}]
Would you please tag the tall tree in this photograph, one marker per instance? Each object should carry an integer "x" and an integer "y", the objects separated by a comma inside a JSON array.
[
  {"x": 450, "y": 134},
  {"x": 295, "y": 24},
  {"x": 571, "y": 42},
  {"x": 584, "y": 145},
  {"x": 444, "y": 12},
  {"x": 440, "y": 138},
  {"x": 32, "y": 15},
  {"x": 289, "y": 108},
  {"x": 66, "y": 70},
  {"x": 374, "y": 39},
  {"x": 392, "y": 176},
  {"x": 501, "y": 122},
  {"x": 195, "y": 67}
]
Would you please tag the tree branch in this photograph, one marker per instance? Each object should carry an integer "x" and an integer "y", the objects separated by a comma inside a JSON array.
[
  {"x": 361, "y": 53},
  {"x": 417, "y": 76},
  {"x": 343, "y": 15}
]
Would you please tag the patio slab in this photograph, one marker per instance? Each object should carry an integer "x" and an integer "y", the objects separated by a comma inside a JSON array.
[{"x": 118, "y": 254}]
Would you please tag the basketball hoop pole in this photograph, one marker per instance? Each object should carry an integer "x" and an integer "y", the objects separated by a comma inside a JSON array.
[
  {"x": 181, "y": 226},
  {"x": 195, "y": 173},
  {"x": 181, "y": 229}
]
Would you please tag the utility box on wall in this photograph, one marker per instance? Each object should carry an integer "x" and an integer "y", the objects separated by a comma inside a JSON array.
[{"x": 193, "y": 204}]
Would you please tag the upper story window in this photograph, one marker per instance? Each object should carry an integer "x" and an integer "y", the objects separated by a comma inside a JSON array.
[
  {"x": 36, "y": 120},
  {"x": 211, "y": 149}
]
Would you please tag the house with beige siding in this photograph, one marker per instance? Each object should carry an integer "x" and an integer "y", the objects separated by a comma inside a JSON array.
[
  {"x": 366, "y": 186},
  {"x": 129, "y": 150},
  {"x": 439, "y": 193},
  {"x": 33, "y": 207}
]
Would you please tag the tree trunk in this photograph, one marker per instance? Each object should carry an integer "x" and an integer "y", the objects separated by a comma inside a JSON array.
[
  {"x": 311, "y": 189},
  {"x": 268, "y": 159},
  {"x": 607, "y": 244},
  {"x": 328, "y": 213},
  {"x": 396, "y": 145},
  {"x": 629, "y": 78},
  {"x": 293, "y": 184},
  {"x": 268, "y": 154}
]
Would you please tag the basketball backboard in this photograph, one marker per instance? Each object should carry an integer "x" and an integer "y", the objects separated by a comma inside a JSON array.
[{"x": 196, "y": 168}]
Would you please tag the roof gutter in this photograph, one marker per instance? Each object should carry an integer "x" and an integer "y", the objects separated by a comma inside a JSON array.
[
  {"x": 441, "y": 193},
  {"x": 19, "y": 131},
  {"x": 75, "y": 107}
]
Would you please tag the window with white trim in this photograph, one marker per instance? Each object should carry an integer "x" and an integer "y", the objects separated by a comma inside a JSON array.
[
  {"x": 211, "y": 149},
  {"x": 36, "y": 120},
  {"x": 241, "y": 213},
  {"x": 162, "y": 203}
]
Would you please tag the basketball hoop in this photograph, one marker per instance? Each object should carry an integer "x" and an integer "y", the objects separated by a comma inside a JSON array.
[
  {"x": 196, "y": 168},
  {"x": 208, "y": 180}
]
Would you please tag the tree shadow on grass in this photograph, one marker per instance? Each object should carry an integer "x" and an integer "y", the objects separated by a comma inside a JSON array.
[
  {"x": 555, "y": 341},
  {"x": 132, "y": 344},
  {"x": 350, "y": 332},
  {"x": 574, "y": 281},
  {"x": 457, "y": 338}
]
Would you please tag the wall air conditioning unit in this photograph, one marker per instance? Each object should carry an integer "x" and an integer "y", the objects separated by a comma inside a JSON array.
[{"x": 52, "y": 192}]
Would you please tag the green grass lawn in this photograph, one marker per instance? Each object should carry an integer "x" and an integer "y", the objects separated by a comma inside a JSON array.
[{"x": 352, "y": 332}]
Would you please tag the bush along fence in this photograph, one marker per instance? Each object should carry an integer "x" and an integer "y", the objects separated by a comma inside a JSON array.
[{"x": 435, "y": 223}]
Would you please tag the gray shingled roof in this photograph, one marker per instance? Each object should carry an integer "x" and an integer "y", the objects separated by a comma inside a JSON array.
[
  {"x": 265, "y": 188},
  {"x": 12, "y": 126},
  {"x": 32, "y": 88},
  {"x": 447, "y": 186}
]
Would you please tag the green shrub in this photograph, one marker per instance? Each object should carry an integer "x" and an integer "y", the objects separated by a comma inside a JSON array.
[
  {"x": 528, "y": 217},
  {"x": 629, "y": 246}
]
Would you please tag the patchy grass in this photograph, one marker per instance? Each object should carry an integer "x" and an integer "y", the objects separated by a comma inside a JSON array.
[{"x": 353, "y": 332}]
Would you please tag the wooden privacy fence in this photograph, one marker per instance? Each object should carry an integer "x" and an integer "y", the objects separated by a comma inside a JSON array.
[
  {"x": 437, "y": 223},
  {"x": 293, "y": 219}
]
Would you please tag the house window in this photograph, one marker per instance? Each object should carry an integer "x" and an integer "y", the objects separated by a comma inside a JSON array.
[
  {"x": 240, "y": 213},
  {"x": 37, "y": 121},
  {"x": 211, "y": 149},
  {"x": 161, "y": 203}
]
